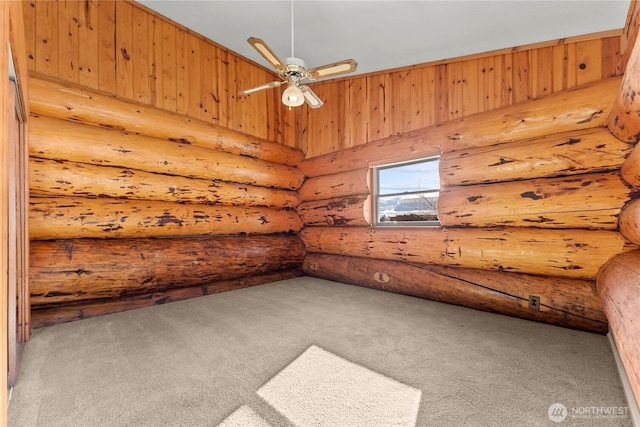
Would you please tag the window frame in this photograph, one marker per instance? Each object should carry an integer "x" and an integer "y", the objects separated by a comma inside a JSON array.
[{"x": 376, "y": 194}]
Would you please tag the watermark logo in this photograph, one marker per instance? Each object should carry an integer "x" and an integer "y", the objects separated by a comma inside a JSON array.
[{"x": 557, "y": 412}]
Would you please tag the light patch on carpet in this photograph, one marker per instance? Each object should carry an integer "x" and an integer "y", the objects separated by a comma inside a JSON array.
[
  {"x": 322, "y": 389},
  {"x": 244, "y": 416}
]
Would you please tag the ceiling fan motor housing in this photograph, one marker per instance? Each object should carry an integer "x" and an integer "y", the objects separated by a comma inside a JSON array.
[{"x": 296, "y": 69}]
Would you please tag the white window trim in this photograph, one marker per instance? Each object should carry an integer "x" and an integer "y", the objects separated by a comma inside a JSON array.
[{"x": 376, "y": 193}]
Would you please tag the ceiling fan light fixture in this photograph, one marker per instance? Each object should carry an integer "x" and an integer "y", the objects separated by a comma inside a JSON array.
[{"x": 292, "y": 96}]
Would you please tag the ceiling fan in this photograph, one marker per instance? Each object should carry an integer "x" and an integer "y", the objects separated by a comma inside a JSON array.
[{"x": 293, "y": 71}]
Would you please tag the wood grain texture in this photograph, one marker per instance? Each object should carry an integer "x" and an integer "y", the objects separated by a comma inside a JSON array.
[
  {"x": 124, "y": 36},
  {"x": 436, "y": 92},
  {"x": 17, "y": 31},
  {"x": 584, "y": 107},
  {"x": 588, "y": 201},
  {"x": 339, "y": 211},
  {"x": 5, "y": 244},
  {"x": 618, "y": 285},
  {"x": 181, "y": 184},
  {"x": 629, "y": 35},
  {"x": 14, "y": 261},
  {"x": 126, "y": 49},
  {"x": 562, "y": 154},
  {"x": 65, "y": 271},
  {"x": 62, "y": 178},
  {"x": 562, "y": 253},
  {"x": 106, "y": 49},
  {"x": 411, "y": 144},
  {"x": 568, "y": 302},
  {"x": 392, "y": 115},
  {"x": 575, "y": 111},
  {"x": 71, "y": 102},
  {"x": 630, "y": 221},
  {"x": 79, "y": 217},
  {"x": 335, "y": 185},
  {"x": 88, "y": 42},
  {"x": 52, "y": 314},
  {"x": 630, "y": 169},
  {"x": 624, "y": 119},
  {"x": 65, "y": 140},
  {"x": 140, "y": 59},
  {"x": 401, "y": 101},
  {"x": 46, "y": 34}
]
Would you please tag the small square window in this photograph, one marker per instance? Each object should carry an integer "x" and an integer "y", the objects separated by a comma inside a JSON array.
[{"x": 407, "y": 193}]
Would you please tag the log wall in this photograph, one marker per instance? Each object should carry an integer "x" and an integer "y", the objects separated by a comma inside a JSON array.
[
  {"x": 552, "y": 149},
  {"x": 618, "y": 281},
  {"x": 531, "y": 190},
  {"x": 122, "y": 215},
  {"x": 124, "y": 266},
  {"x": 571, "y": 303}
]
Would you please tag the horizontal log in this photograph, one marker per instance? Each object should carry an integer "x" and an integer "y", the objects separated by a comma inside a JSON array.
[
  {"x": 562, "y": 253},
  {"x": 64, "y": 140},
  {"x": 78, "y": 217},
  {"x": 570, "y": 303},
  {"x": 60, "y": 178},
  {"x": 65, "y": 271},
  {"x": 54, "y": 314},
  {"x": 630, "y": 222},
  {"x": 335, "y": 185},
  {"x": 630, "y": 169},
  {"x": 350, "y": 210},
  {"x": 618, "y": 285},
  {"x": 408, "y": 145},
  {"x": 581, "y": 108},
  {"x": 70, "y": 102},
  {"x": 581, "y": 201},
  {"x": 584, "y": 107},
  {"x": 624, "y": 119},
  {"x": 569, "y": 153}
]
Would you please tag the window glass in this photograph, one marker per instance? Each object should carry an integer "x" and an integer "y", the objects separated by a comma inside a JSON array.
[{"x": 407, "y": 193}]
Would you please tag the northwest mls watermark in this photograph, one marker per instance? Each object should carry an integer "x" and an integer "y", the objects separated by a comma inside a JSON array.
[{"x": 558, "y": 413}]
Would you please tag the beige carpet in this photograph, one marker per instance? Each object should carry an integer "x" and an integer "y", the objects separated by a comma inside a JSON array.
[
  {"x": 245, "y": 355},
  {"x": 320, "y": 389}
]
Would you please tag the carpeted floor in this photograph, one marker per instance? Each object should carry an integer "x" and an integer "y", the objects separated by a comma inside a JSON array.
[{"x": 196, "y": 362}]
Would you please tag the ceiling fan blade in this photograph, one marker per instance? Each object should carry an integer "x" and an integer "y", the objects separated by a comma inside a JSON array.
[
  {"x": 312, "y": 99},
  {"x": 267, "y": 53},
  {"x": 260, "y": 87},
  {"x": 342, "y": 67}
]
